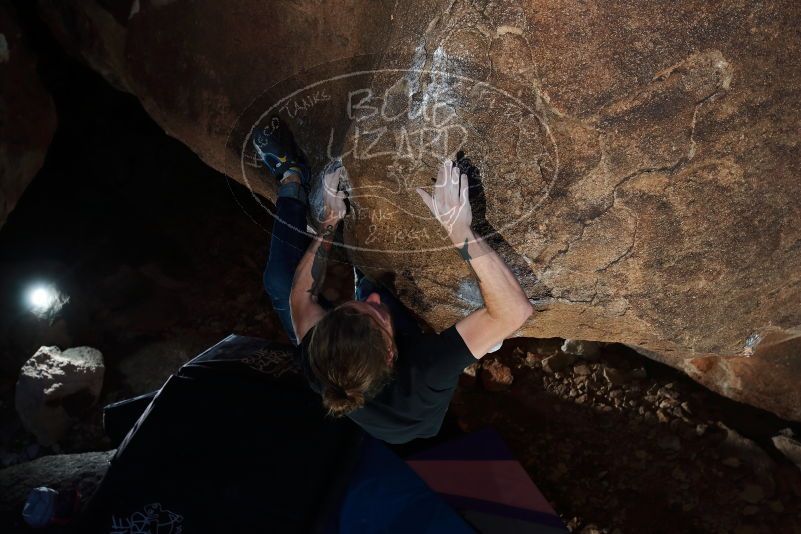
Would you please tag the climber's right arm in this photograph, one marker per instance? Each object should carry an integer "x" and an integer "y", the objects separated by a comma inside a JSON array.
[{"x": 506, "y": 307}]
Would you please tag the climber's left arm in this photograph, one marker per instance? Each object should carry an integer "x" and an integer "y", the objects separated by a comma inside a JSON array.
[
  {"x": 307, "y": 284},
  {"x": 308, "y": 281}
]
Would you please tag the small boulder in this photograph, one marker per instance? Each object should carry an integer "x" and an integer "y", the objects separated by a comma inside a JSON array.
[
  {"x": 495, "y": 376},
  {"x": 545, "y": 347},
  {"x": 533, "y": 360},
  {"x": 589, "y": 350},
  {"x": 54, "y": 388},
  {"x": 615, "y": 377},
  {"x": 557, "y": 362},
  {"x": 582, "y": 370},
  {"x": 789, "y": 447}
]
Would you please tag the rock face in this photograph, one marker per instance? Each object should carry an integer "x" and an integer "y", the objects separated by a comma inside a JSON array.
[
  {"x": 635, "y": 164},
  {"x": 27, "y": 114},
  {"x": 55, "y": 387},
  {"x": 60, "y": 472},
  {"x": 768, "y": 378}
]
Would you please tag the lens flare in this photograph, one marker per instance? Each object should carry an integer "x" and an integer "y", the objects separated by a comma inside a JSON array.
[{"x": 45, "y": 301}]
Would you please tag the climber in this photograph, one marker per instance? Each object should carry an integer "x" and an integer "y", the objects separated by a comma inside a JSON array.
[{"x": 367, "y": 357}]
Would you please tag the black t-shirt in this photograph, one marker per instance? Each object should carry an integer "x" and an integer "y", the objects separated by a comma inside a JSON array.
[{"x": 413, "y": 405}]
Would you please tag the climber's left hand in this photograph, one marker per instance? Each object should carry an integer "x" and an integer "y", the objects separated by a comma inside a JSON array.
[{"x": 335, "y": 208}]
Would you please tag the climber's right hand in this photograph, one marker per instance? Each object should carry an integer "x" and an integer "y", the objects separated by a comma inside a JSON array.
[{"x": 449, "y": 203}]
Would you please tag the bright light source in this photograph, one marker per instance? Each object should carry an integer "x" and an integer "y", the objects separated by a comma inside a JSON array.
[
  {"x": 41, "y": 297},
  {"x": 45, "y": 300}
]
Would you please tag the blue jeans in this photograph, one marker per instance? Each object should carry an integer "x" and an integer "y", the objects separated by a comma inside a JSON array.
[{"x": 287, "y": 246}]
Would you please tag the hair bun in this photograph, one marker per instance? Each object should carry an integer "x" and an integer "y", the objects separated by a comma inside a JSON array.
[{"x": 340, "y": 401}]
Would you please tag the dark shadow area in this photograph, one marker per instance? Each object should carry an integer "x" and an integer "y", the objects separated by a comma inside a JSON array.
[
  {"x": 156, "y": 256},
  {"x": 652, "y": 452}
]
